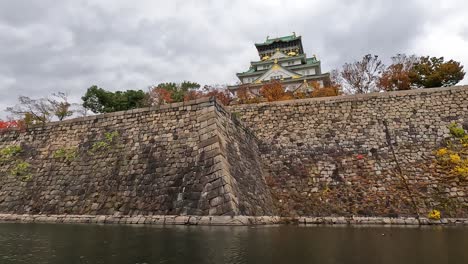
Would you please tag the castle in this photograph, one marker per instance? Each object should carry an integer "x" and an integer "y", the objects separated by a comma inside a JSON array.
[{"x": 282, "y": 59}]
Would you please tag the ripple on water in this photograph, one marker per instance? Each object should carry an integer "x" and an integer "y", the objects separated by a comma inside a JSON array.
[{"x": 49, "y": 243}]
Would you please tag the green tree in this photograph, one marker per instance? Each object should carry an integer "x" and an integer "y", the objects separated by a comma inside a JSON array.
[
  {"x": 434, "y": 72},
  {"x": 99, "y": 100}
]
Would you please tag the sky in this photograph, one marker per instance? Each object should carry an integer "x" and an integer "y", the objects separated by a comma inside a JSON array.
[{"x": 69, "y": 45}]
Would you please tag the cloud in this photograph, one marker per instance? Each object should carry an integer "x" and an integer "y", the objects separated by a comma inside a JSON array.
[{"x": 48, "y": 46}]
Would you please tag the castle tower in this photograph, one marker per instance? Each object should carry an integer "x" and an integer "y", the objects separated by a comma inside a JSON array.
[{"x": 282, "y": 59}]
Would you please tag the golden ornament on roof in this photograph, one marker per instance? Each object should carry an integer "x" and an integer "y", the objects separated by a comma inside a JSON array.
[{"x": 266, "y": 57}]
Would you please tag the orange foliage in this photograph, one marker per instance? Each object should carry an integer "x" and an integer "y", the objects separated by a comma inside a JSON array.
[
  {"x": 398, "y": 75},
  {"x": 221, "y": 94},
  {"x": 300, "y": 95},
  {"x": 325, "y": 92},
  {"x": 274, "y": 91},
  {"x": 330, "y": 90},
  {"x": 245, "y": 96},
  {"x": 192, "y": 95},
  {"x": 159, "y": 96}
]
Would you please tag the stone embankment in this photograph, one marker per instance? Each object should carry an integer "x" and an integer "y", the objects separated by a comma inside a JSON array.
[
  {"x": 364, "y": 155},
  {"x": 181, "y": 159},
  {"x": 227, "y": 220},
  {"x": 366, "y": 159}
]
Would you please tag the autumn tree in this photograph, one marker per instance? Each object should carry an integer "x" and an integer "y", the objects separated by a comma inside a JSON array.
[
  {"x": 397, "y": 76},
  {"x": 221, "y": 93},
  {"x": 33, "y": 111},
  {"x": 435, "y": 72},
  {"x": 274, "y": 91},
  {"x": 159, "y": 96},
  {"x": 178, "y": 90},
  {"x": 193, "y": 95},
  {"x": 362, "y": 76},
  {"x": 329, "y": 89},
  {"x": 245, "y": 96},
  {"x": 99, "y": 100}
]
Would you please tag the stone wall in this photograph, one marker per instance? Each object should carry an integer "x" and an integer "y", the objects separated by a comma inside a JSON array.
[
  {"x": 369, "y": 155},
  {"x": 242, "y": 162},
  {"x": 181, "y": 159}
]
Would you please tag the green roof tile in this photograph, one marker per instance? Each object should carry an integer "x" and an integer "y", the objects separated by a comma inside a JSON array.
[
  {"x": 285, "y": 39},
  {"x": 312, "y": 60},
  {"x": 250, "y": 70}
]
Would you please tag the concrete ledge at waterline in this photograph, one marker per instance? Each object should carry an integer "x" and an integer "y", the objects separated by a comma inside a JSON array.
[{"x": 225, "y": 220}]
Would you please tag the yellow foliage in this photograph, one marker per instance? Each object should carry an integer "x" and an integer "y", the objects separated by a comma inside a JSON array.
[
  {"x": 442, "y": 152},
  {"x": 462, "y": 169},
  {"x": 434, "y": 215},
  {"x": 455, "y": 158},
  {"x": 464, "y": 141}
]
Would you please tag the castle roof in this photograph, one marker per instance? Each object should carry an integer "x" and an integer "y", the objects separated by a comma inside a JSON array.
[{"x": 269, "y": 41}]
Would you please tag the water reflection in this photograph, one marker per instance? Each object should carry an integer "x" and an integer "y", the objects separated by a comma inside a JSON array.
[{"x": 48, "y": 243}]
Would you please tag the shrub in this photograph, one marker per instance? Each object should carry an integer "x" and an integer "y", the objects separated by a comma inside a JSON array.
[
  {"x": 434, "y": 215},
  {"x": 6, "y": 154},
  {"x": 462, "y": 170},
  {"x": 109, "y": 138},
  {"x": 456, "y": 130},
  {"x": 454, "y": 157},
  {"x": 21, "y": 169},
  {"x": 442, "y": 152},
  {"x": 65, "y": 154}
]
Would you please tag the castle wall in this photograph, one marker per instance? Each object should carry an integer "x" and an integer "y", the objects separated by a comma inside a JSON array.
[
  {"x": 366, "y": 155},
  {"x": 361, "y": 155},
  {"x": 172, "y": 160}
]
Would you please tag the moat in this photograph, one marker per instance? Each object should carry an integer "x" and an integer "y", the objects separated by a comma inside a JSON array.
[{"x": 69, "y": 243}]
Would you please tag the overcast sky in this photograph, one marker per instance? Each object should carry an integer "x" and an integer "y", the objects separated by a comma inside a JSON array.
[{"x": 69, "y": 45}]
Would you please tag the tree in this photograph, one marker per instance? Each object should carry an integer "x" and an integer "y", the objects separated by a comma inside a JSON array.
[
  {"x": 221, "y": 93},
  {"x": 99, "y": 100},
  {"x": 33, "y": 111},
  {"x": 178, "y": 91},
  {"x": 42, "y": 110},
  {"x": 245, "y": 95},
  {"x": 397, "y": 76},
  {"x": 193, "y": 95},
  {"x": 159, "y": 96},
  {"x": 60, "y": 105},
  {"x": 274, "y": 91},
  {"x": 362, "y": 76},
  {"x": 326, "y": 91},
  {"x": 434, "y": 72}
]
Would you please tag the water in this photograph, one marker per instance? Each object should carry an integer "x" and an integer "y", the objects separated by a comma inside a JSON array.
[{"x": 62, "y": 243}]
